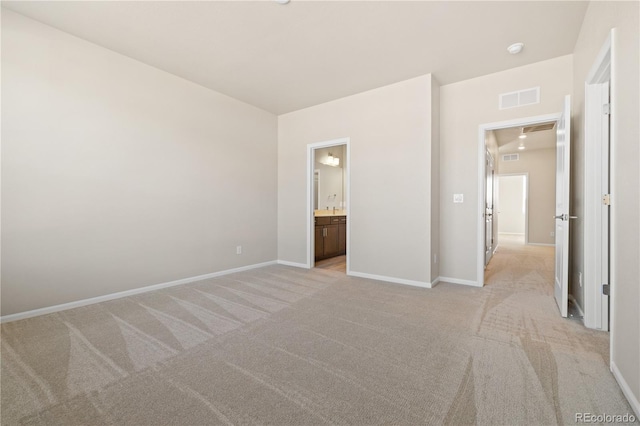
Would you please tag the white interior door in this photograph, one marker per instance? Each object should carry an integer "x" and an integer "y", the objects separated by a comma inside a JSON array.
[
  {"x": 488, "y": 208},
  {"x": 604, "y": 219},
  {"x": 561, "y": 290}
]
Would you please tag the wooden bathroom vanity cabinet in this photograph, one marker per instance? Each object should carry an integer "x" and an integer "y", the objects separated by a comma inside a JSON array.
[{"x": 330, "y": 236}]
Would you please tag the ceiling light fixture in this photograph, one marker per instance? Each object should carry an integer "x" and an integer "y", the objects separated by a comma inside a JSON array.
[
  {"x": 515, "y": 48},
  {"x": 522, "y": 135},
  {"x": 521, "y": 147},
  {"x": 283, "y": 1},
  {"x": 332, "y": 161}
]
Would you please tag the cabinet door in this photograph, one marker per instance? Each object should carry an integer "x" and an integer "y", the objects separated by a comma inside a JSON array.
[
  {"x": 319, "y": 242},
  {"x": 331, "y": 240},
  {"x": 342, "y": 238}
]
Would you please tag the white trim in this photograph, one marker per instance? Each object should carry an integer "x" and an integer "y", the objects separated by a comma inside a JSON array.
[
  {"x": 482, "y": 129},
  {"x": 626, "y": 390},
  {"x": 597, "y": 92},
  {"x": 602, "y": 65},
  {"x": 294, "y": 264},
  {"x": 459, "y": 281},
  {"x": 541, "y": 244},
  {"x": 121, "y": 294},
  {"x": 390, "y": 279},
  {"x": 613, "y": 184},
  {"x": 435, "y": 282},
  {"x": 310, "y": 167}
]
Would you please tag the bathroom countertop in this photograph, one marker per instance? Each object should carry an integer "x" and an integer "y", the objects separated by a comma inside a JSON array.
[{"x": 330, "y": 212}]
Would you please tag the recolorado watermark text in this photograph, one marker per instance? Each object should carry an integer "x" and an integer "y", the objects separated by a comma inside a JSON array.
[{"x": 604, "y": 418}]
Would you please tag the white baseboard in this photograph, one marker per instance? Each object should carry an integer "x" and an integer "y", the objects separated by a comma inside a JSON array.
[
  {"x": 541, "y": 244},
  {"x": 626, "y": 390},
  {"x": 120, "y": 294},
  {"x": 390, "y": 279},
  {"x": 458, "y": 281},
  {"x": 435, "y": 282},
  {"x": 294, "y": 264}
]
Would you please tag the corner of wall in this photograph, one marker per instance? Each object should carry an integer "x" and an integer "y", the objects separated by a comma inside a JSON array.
[{"x": 435, "y": 179}]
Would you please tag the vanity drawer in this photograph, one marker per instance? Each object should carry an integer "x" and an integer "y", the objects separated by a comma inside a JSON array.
[
  {"x": 323, "y": 220},
  {"x": 337, "y": 220}
]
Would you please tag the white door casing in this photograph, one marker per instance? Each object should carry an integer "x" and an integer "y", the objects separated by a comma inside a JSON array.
[
  {"x": 563, "y": 152},
  {"x": 603, "y": 323},
  {"x": 598, "y": 140},
  {"x": 310, "y": 203}
]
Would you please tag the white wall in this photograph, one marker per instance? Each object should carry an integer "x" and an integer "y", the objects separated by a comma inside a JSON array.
[
  {"x": 625, "y": 176},
  {"x": 116, "y": 175},
  {"x": 390, "y": 154},
  {"x": 511, "y": 206},
  {"x": 464, "y": 106},
  {"x": 540, "y": 164}
]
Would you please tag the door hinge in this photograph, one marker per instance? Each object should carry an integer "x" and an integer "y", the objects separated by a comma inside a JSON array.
[
  {"x": 605, "y": 289},
  {"x": 606, "y": 199},
  {"x": 606, "y": 109}
]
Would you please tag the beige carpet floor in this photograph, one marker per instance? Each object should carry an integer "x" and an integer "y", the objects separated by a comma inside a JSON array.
[{"x": 286, "y": 346}]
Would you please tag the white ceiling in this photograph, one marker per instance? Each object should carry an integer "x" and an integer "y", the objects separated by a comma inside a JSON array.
[
  {"x": 509, "y": 142},
  {"x": 284, "y": 58}
]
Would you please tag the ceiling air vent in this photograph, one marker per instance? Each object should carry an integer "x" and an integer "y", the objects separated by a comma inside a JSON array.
[
  {"x": 511, "y": 157},
  {"x": 539, "y": 127},
  {"x": 519, "y": 98}
]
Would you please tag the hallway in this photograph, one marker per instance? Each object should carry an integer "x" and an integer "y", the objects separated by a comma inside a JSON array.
[{"x": 563, "y": 360}]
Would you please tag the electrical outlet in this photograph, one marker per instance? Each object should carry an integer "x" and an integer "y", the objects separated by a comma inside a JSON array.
[
  {"x": 458, "y": 198},
  {"x": 239, "y": 250}
]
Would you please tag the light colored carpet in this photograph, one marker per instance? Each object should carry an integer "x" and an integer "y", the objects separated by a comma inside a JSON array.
[{"x": 287, "y": 346}]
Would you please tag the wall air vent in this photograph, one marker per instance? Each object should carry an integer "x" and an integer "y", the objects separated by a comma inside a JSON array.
[
  {"x": 519, "y": 98},
  {"x": 511, "y": 157}
]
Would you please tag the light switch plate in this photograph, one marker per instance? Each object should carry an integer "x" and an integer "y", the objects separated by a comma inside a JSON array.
[{"x": 458, "y": 198}]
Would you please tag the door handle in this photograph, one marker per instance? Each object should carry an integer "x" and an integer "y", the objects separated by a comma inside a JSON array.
[{"x": 565, "y": 217}]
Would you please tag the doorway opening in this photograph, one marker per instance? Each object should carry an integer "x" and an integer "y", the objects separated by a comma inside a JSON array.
[
  {"x": 512, "y": 196},
  {"x": 329, "y": 205},
  {"x": 529, "y": 146}
]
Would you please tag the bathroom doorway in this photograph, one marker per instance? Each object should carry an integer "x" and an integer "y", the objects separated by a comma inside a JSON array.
[{"x": 328, "y": 205}]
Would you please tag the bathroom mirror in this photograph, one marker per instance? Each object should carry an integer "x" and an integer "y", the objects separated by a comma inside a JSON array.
[{"x": 329, "y": 178}]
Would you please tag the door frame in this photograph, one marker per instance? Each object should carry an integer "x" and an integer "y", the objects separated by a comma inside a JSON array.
[
  {"x": 596, "y": 175},
  {"x": 525, "y": 175},
  {"x": 482, "y": 130},
  {"x": 347, "y": 196}
]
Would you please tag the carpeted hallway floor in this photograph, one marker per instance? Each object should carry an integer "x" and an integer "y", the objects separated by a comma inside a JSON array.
[{"x": 287, "y": 346}]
